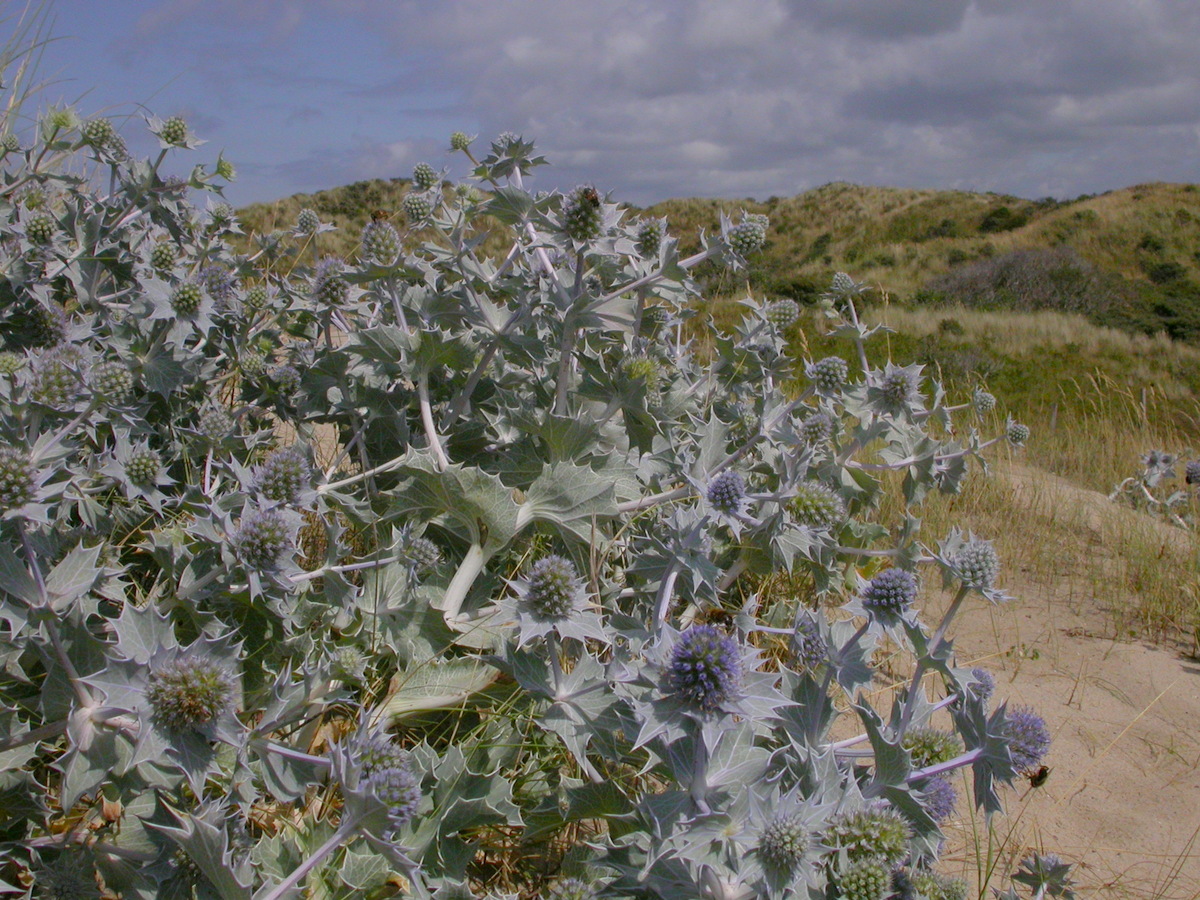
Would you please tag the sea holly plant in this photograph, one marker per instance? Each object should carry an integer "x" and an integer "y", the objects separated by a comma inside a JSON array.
[
  {"x": 1157, "y": 491},
  {"x": 434, "y": 573}
]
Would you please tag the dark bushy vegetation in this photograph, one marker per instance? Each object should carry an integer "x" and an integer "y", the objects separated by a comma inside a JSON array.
[
  {"x": 1002, "y": 218},
  {"x": 1056, "y": 278}
]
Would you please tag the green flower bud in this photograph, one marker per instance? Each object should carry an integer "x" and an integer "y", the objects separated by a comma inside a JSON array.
[
  {"x": 163, "y": 256},
  {"x": 143, "y": 468},
  {"x": 11, "y": 363},
  {"x": 99, "y": 133},
  {"x": 817, "y": 506},
  {"x": 189, "y": 693},
  {"x": 582, "y": 218},
  {"x": 424, "y": 176},
  {"x": 174, "y": 131},
  {"x": 113, "y": 382},
  {"x": 417, "y": 209},
  {"x": 41, "y": 230},
  {"x": 18, "y": 478},
  {"x": 186, "y": 299},
  {"x": 307, "y": 222}
]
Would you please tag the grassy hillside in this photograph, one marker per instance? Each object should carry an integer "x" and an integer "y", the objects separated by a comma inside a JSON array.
[{"x": 1128, "y": 258}]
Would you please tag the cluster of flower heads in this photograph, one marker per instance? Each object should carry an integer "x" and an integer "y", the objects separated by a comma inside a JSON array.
[{"x": 381, "y": 784}]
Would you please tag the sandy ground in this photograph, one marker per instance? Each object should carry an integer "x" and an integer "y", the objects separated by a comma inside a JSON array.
[{"x": 1123, "y": 797}]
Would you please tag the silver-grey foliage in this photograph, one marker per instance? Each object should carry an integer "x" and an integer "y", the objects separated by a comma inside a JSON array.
[{"x": 326, "y": 572}]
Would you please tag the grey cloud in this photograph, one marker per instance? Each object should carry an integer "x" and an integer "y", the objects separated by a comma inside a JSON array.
[
  {"x": 757, "y": 97},
  {"x": 883, "y": 19}
]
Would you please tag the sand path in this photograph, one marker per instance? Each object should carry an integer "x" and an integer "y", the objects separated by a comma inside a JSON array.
[{"x": 1123, "y": 796}]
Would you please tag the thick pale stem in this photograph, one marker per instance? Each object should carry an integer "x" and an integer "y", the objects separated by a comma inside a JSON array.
[
  {"x": 654, "y": 499},
  {"x": 665, "y": 591},
  {"x": 646, "y": 280},
  {"x": 734, "y": 572},
  {"x": 435, "y": 443},
  {"x": 858, "y": 739},
  {"x": 363, "y": 476},
  {"x": 555, "y": 664},
  {"x": 565, "y": 358},
  {"x": 269, "y": 746},
  {"x": 912, "y": 460},
  {"x": 958, "y": 762},
  {"x": 858, "y": 341},
  {"x": 468, "y": 570},
  {"x": 66, "y": 430},
  {"x": 459, "y": 404},
  {"x": 347, "y": 567}
]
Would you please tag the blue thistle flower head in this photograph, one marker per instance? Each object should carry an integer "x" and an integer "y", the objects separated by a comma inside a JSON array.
[
  {"x": 888, "y": 596},
  {"x": 972, "y": 562},
  {"x": 939, "y": 798},
  {"x": 398, "y": 789},
  {"x": 379, "y": 782},
  {"x": 220, "y": 283},
  {"x": 809, "y": 647},
  {"x": 983, "y": 683},
  {"x": 1028, "y": 737},
  {"x": 727, "y": 492},
  {"x": 705, "y": 668}
]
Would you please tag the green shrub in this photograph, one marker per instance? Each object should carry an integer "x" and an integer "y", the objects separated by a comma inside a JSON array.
[{"x": 1002, "y": 218}]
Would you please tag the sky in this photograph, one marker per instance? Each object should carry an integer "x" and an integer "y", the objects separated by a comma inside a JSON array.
[{"x": 650, "y": 100}]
